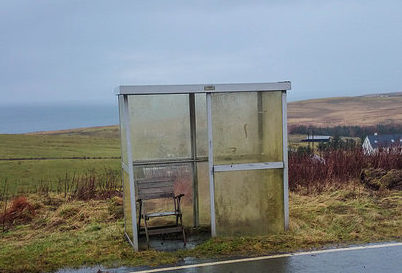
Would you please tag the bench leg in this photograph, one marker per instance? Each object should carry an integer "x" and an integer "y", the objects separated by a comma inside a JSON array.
[
  {"x": 146, "y": 231},
  {"x": 184, "y": 236},
  {"x": 139, "y": 218},
  {"x": 182, "y": 228}
]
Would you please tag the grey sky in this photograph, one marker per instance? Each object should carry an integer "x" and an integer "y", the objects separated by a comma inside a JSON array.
[{"x": 55, "y": 51}]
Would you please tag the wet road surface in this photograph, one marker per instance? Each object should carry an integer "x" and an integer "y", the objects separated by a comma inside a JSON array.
[{"x": 367, "y": 259}]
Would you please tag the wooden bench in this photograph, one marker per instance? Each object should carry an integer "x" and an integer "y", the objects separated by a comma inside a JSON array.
[{"x": 158, "y": 188}]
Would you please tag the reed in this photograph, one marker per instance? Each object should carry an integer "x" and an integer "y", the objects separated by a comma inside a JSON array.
[
  {"x": 90, "y": 185},
  {"x": 335, "y": 167}
]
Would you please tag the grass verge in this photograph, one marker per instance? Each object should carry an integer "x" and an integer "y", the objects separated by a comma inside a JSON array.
[
  {"x": 27, "y": 176},
  {"x": 60, "y": 145},
  {"x": 71, "y": 233}
]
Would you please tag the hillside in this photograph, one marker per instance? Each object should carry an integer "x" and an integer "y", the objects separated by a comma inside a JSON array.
[
  {"x": 362, "y": 110},
  {"x": 98, "y": 131},
  {"x": 327, "y": 112},
  {"x": 29, "y": 162}
]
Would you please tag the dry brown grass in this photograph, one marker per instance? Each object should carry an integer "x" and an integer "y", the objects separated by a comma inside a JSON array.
[
  {"x": 102, "y": 131},
  {"x": 336, "y": 167},
  {"x": 19, "y": 212},
  {"x": 73, "y": 233},
  {"x": 362, "y": 111},
  {"x": 334, "y": 217}
]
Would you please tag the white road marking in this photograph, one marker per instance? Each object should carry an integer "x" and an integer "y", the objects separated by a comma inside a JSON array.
[{"x": 268, "y": 257}]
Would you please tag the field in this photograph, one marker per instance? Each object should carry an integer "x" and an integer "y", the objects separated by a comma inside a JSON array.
[
  {"x": 363, "y": 111},
  {"x": 50, "y": 156},
  {"x": 90, "y": 142},
  {"x": 51, "y": 228},
  {"x": 73, "y": 233}
]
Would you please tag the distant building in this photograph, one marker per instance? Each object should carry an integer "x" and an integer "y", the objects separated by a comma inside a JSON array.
[
  {"x": 373, "y": 143},
  {"x": 314, "y": 138}
]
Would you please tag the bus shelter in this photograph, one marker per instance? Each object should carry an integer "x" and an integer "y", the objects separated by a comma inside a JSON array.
[{"x": 225, "y": 146}]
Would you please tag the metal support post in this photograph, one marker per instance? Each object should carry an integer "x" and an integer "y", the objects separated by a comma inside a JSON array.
[
  {"x": 126, "y": 119},
  {"x": 285, "y": 160},
  {"x": 211, "y": 165},
  {"x": 193, "y": 136}
]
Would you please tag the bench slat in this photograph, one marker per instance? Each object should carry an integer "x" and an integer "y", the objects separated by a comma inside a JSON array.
[
  {"x": 153, "y": 179},
  {"x": 155, "y": 185},
  {"x": 162, "y": 230},
  {"x": 161, "y": 214},
  {"x": 149, "y": 196},
  {"x": 156, "y": 190}
]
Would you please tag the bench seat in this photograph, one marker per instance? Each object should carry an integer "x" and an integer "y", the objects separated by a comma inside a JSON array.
[{"x": 161, "y": 214}]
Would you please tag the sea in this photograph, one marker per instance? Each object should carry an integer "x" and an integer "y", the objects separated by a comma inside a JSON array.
[{"x": 18, "y": 119}]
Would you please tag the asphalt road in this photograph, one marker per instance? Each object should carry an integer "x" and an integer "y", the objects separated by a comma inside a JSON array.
[{"x": 386, "y": 258}]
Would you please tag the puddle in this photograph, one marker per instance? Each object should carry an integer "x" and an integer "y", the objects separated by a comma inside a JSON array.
[{"x": 173, "y": 243}]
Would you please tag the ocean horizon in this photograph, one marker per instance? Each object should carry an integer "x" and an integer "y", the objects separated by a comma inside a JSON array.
[{"x": 19, "y": 119}]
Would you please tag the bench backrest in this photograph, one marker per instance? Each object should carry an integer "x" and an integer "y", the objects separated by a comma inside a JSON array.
[{"x": 155, "y": 188}]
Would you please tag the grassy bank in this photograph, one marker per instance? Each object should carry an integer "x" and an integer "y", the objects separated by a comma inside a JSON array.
[
  {"x": 68, "y": 144},
  {"x": 72, "y": 233},
  {"x": 28, "y": 175},
  {"x": 56, "y": 230}
]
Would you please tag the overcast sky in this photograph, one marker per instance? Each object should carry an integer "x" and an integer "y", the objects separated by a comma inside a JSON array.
[{"x": 62, "y": 51}]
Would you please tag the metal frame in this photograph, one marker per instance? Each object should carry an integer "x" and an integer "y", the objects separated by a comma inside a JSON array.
[
  {"x": 200, "y": 88},
  {"x": 285, "y": 160},
  {"x": 211, "y": 165},
  {"x": 126, "y": 120},
  {"x": 170, "y": 161},
  {"x": 208, "y": 89},
  {"x": 124, "y": 167},
  {"x": 193, "y": 140},
  {"x": 248, "y": 166}
]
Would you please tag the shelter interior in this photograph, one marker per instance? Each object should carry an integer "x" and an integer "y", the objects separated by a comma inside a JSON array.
[{"x": 224, "y": 146}]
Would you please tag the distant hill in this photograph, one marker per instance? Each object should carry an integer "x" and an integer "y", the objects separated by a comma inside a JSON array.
[
  {"x": 365, "y": 110},
  {"x": 112, "y": 131},
  {"x": 361, "y": 110}
]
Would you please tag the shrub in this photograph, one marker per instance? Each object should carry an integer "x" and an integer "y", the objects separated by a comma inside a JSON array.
[
  {"x": 315, "y": 172},
  {"x": 19, "y": 212}
]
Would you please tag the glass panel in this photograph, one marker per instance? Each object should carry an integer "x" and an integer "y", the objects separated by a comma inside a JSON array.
[
  {"x": 247, "y": 127},
  {"x": 203, "y": 193},
  {"x": 201, "y": 124},
  {"x": 183, "y": 184},
  {"x": 127, "y": 206},
  {"x": 249, "y": 202},
  {"x": 160, "y": 126},
  {"x": 123, "y": 140},
  {"x": 271, "y": 123}
]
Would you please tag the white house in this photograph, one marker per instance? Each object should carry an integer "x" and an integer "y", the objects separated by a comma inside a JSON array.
[{"x": 373, "y": 143}]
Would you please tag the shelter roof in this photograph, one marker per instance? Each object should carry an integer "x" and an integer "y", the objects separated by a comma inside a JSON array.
[{"x": 201, "y": 88}]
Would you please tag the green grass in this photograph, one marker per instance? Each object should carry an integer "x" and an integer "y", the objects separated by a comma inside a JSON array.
[
  {"x": 94, "y": 142},
  {"x": 26, "y": 175},
  {"x": 76, "y": 233}
]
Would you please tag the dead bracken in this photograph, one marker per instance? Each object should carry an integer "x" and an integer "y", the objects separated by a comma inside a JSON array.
[
  {"x": 380, "y": 179},
  {"x": 19, "y": 212}
]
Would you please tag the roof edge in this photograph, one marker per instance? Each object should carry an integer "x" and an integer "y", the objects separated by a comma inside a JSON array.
[{"x": 201, "y": 88}]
